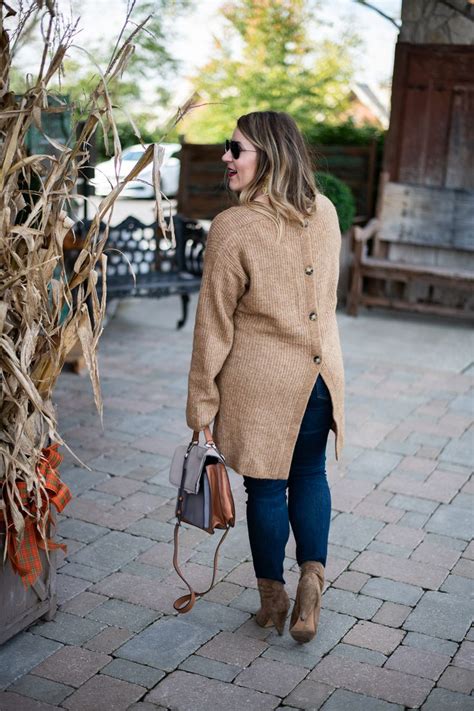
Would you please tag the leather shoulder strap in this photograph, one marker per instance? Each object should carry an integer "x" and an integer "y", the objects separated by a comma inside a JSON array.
[{"x": 185, "y": 603}]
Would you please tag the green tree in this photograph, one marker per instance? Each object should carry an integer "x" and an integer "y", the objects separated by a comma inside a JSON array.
[
  {"x": 144, "y": 84},
  {"x": 266, "y": 60}
]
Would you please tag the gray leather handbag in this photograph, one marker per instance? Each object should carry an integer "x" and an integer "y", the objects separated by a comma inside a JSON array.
[{"x": 204, "y": 499}]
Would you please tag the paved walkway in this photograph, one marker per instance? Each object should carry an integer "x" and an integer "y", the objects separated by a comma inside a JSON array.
[{"x": 395, "y": 625}]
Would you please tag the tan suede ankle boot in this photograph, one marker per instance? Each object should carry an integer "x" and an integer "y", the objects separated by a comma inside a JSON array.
[
  {"x": 305, "y": 615},
  {"x": 274, "y": 604}
]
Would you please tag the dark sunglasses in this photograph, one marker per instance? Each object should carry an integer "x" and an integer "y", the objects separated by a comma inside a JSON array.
[{"x": 236, "y": 150}]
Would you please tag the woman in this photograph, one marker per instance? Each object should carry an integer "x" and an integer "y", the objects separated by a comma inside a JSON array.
[{"x": 266, "y": 364}]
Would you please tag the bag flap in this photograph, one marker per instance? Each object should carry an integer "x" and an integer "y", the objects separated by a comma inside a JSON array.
[{"x": 194, "y": 465}]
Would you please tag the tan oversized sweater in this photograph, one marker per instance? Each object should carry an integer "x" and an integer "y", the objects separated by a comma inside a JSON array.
[{"x": 265, "y": 328}]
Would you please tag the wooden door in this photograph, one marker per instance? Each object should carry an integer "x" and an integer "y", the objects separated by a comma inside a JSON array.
[{"x": 431, "y": 136}]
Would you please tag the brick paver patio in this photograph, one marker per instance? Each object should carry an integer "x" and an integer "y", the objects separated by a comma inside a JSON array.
[{"x": 395, "y": 626}]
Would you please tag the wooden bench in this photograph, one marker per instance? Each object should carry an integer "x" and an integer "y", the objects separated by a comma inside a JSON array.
[{"x": 418, "y": 255}]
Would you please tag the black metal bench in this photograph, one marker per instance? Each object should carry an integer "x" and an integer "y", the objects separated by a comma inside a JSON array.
[{"x": 160, "y": 270}]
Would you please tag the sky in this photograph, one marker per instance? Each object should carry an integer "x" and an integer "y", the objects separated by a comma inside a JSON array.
[{"x": 191, "y": 39}]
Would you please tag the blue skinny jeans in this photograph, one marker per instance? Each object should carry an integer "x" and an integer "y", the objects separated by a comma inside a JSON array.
[{"x": 308, "y": 506}]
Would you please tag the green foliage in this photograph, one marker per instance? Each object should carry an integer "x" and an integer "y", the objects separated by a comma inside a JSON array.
[
  {"x": 149, "y": 69},
  {"x": 340, "y": 195},
  {"x": 279, "y": 68},
  {"x": 343, "y": 134},
  {"x": 151, "y": 62}
]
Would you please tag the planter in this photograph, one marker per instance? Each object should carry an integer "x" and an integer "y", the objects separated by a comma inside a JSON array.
[{"x": 20, "y": 606}]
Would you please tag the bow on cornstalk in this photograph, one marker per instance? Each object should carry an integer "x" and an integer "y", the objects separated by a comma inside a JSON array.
[{"x": 43, "y": 310}]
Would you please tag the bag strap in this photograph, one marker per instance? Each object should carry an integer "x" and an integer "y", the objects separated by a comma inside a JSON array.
[
  {"x": 185, "y": 603},
  {"x": 207, "y": 434}
]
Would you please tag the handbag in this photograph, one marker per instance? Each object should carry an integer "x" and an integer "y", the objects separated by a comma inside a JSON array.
[{"x": 204, "y": 500}]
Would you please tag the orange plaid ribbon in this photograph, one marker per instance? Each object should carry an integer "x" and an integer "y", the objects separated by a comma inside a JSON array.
[{"x": 24, "y": 555}]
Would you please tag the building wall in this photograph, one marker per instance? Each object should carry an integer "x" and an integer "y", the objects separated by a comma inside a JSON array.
[
  {"x": 434, "y": 22},
  {"x": 437, "y": 22}
]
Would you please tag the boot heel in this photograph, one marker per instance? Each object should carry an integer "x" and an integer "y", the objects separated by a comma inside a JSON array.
[
  {"x": 279, "y": 619},
  {"x": 263, "y": 620},
  {"x": 304, "y": 630},
  {"x": 305, "y": 616}
]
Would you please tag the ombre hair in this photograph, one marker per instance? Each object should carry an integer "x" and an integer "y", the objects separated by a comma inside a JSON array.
[{"x": 284, "y": 171}]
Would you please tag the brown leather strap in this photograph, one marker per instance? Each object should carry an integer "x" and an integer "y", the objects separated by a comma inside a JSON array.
[
  {"x": 185, "y": 603},
  {"x": 207, "y": 434}
]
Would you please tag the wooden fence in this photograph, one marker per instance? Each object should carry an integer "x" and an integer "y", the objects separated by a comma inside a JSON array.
[{"x": 202, "y": 192}]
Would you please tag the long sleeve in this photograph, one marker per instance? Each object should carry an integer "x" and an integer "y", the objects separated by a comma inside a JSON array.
[{"x": 223, "y": 283}]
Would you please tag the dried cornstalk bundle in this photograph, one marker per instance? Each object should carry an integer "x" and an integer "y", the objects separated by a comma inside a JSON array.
[{"x": 43, "y": 310}]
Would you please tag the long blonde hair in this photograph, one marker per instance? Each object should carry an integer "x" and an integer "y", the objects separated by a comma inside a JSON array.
[{"x": 284, "y": 171}]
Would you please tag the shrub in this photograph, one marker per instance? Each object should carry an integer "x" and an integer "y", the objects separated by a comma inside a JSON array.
[
  {"x": 340, "y": 195},
  {"x": 344, "y": 134}
]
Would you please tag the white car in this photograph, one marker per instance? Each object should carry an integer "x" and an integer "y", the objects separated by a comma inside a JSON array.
[{"x": 142, "y": 187}]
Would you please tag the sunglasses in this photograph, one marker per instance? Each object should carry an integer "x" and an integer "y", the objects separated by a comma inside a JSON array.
[{"x": 235, "y": 148}]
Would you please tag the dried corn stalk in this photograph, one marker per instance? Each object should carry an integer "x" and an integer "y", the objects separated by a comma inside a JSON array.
[{"x": 43, "y": 310}]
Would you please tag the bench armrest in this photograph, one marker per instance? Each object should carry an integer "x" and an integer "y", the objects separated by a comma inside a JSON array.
[{"x": 363, "y": 234}]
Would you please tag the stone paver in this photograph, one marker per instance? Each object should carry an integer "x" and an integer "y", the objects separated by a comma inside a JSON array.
[
  {"x": 271, "y": 677},
  {"x": 400, "y": 536},
  {"x": 41, "y": 689},
  {"x": 385, "y": 684},
  {"x": 445, "y": 700},
  {"x": 86, "y": 572},
  {"x": 210, "y": 668},
  {"x": 16, "y": 702},
  {"x": 119, "y": 694},
  {"x": 443, "y": 615},
  {"x": 353, "y": 531},
  {"x": 110, "y": 552},
  {"x": 165, "y": 643},
  {"x": 393, "y": 591},
  {"x": 134, "y": 673},
  {"x": 361, "y": 606},
  {"x": 83, "y": 603},
  {"x": 465, "y": 655},
  {"x": 108, "y": 640},
  {"x": 68, "y": 629},
  {"x": 72, "y": 665},
  {"x": 332, "y": 627},
  {"x": 398, "y": 594},
  {"x": 426, "y": 664},
  {"x": 21, "y": 653},
  {"x": 437, "y": 555},
  {"x": 360, "y": 654},
  {"x": 138, "y": 591},
  {"x": 117, "y": 612},
  {"x": 309, "y": 695},
  {"x": 80, "y": 530},
  {"x": 233, "y": 648},
  {"x": 351, "y": 580},
  {"x": 374, "y": 465},
  {"x": 458, "y": 585},
  {"x": 212, "y": 614},
  {"x": 343, "y": 700},
  {"x": 391, "y": 614},
  {"x": 451, "y": 521},
  {"x": 371, "y": 635},
  {"x": 405, "y": 571},
  {"x": 457, "y": 679},
  {"x": 69, "y": 587},
  {"x": 430, "y": 644},
  {"x": 189, "y": 692}
]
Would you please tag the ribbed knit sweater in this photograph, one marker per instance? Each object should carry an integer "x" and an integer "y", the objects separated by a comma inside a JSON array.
[{"x": 265, "y": 328}]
